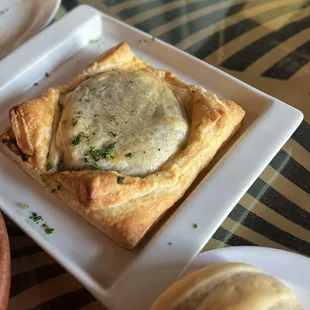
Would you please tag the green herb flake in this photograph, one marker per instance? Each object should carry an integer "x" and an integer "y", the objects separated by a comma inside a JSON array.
[
  {"x": 113, "y": 117},
  {"x": 79, "y": 112},
  {"x": 58, "y": 187},
  {"x": 86, "y": 160},
  {"x": 48, "y": 230},
  {"x": 153, "y": 39},
  {"x": 95, "y": 154},
  {"x": 112, "y": 133},
  {"x": 74, "y": 122},
  {"x": 93, "y": 41},
  {"x": 78, "y": 138},
  {"x": 107, "y": 153},
  {"x": 49, "y": 166},
  {"x": 35, "y": 84},
  {"x": 195, "y": 225},
  {"x": 47, "y": 74},
  {"x": 35, "y": 217},
  {"x": 128, "y": 155},
  {"x": 23, "y": 206}
]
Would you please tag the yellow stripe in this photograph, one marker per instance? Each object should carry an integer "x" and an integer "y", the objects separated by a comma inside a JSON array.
[
  {"x": 272, "y": 57},
  {"x": 20, "y": 242},
  {"x": 300, "y": 154},
  {"x": 213, "y": 244},
  {"x": 29, "y": 262},
  {"x": 159, "y": 10},
  {"x": 274, "y": 218},
  {"x": 224, "y": 23},
  {"x": 286, "y": 188},
  {"x": 249, "y": 37},
  {"x": 191, "y": 16},
  {"x": 127, "y": 4},
  {"x": 43, "y": 292},
  {"x": 250, "y": 235}
]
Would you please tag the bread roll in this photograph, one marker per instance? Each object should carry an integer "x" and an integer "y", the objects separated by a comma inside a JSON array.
[{"x": 227, "y": 286}]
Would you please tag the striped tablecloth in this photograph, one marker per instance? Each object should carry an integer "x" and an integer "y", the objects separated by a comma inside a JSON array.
[{"x": 263, "y": 42}]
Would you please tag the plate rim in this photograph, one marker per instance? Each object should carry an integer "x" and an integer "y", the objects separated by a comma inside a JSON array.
[{"x": 53, "y": 6}]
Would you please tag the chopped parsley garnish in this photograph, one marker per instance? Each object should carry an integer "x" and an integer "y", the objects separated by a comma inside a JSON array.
[
  {"x": 22, "y": 206},
  {"x": 112, "y": 133},
  {"x": 195, "y": 225},
  {"x": 35, "y": 84},
  {"x": 60, "y": 164},
  {"x": 93, "y": 41},
  {"x": 86, "y": 160},
  {"x": 96, "y": 115},
  {"x": 47, "y": 74},
  {"x": 113, "y": 117},
  {"x": 128, "y": 155},
  {"x": 49, "y": 166},
  {"x": 104, "y": 154},
  {"x": 48, "y": 230},
  {"x": 153, "y": 39},
  {"x": 78, "y": 138},
  {"x": 35, "y": 217},
  {"x": 107, "y": 153},
  {"x": 95, "y": 154},
  {"x": 75, "y": 121},
  {"x": 58, "y": 187}
]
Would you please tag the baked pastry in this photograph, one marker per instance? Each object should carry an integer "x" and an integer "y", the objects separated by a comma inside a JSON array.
[
  {"x": 122, "y": 141},
  {"x": 227, "y": 286}
]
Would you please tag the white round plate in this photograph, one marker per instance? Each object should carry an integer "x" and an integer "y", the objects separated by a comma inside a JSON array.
[
  {"x": 292, "y": 269},
  {"x": 22, "y": 19}
]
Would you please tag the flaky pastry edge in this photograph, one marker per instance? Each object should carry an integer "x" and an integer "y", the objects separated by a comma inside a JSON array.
[{"x": 121, "y": 206}]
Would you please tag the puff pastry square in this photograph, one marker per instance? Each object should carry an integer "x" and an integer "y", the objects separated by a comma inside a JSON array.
[{"x": 122, "y": 141}]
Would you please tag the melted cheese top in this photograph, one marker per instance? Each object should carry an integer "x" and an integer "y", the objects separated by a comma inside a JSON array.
[{"x": 127, "y": 122}]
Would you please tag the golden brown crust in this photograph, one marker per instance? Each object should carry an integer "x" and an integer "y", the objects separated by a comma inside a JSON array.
[{"x": 124, "y": 207}]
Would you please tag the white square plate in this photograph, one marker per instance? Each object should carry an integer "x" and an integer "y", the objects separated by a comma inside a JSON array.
[{"x": 122, "y": 279}]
